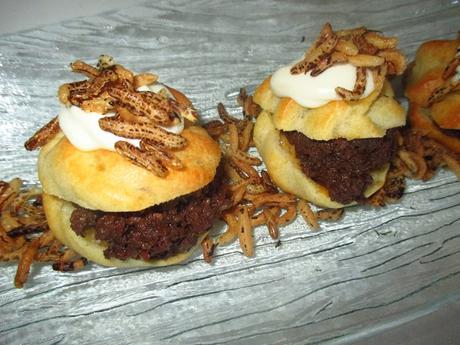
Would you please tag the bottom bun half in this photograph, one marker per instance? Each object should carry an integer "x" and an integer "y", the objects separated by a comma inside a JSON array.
[
  {"x": 285, "y": 171},
  {"x": 58, "y": 214}
]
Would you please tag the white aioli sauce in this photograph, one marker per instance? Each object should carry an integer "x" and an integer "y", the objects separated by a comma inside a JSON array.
[
  {"x": 313, "y": 92},
  {"x": 82, "y": 128}
]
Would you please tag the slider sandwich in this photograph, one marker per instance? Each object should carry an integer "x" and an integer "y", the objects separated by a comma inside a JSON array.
[
  {"x": 433, "y": 89},
  {"x": 328, "y": 124},
  {"x": 128, "y": 179}
]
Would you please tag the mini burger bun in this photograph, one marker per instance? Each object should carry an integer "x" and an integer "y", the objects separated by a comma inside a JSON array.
[
  {"x": 58, "y": 214},
  {"x": 285, "y": 171},
  {"x": 423, "y": 78},
  {"x": 104, "y": 180},
  {"x": 369, "y": 117},
  {"x": 425, "y": 73}
]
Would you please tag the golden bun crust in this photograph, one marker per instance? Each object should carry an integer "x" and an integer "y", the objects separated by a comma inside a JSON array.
[
  {"x": 58, "y": 214},
  {"x": 425, "y": 75},
  {"x": 423, "y": 78},
  {"x": 420, "y": 118},
  {"x": 369, "y": 117},
  {"x": 446, "y": 113},
  {"x": 104, "y": 180},
  {"x": 286, "y": 172}
]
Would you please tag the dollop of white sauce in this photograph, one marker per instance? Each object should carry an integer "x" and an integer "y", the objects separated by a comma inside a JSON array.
[
  {"x": 314, "y": 92},
  {"x": 82, "y": 128}
]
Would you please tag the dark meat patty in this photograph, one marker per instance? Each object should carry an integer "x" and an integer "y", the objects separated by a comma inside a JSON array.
[
  {"x": 160, "y": 231},
  {"x": 343, "y": 166}
]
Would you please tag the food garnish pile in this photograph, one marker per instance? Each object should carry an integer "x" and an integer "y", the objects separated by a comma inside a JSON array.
[
  {"x": 24, "y": 233},
  {"x": 360, "y": 47},
  {"x": 256, "y": 201},
  {"x": 137, "y": 115}
]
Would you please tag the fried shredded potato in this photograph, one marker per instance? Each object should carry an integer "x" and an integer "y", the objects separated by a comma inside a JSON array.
[
  {"x": 24, "y": 233},
  {"x": 421, "y": 156},
  {"x": 418, "y": 157},
  {"x": 256, "y": 201}
]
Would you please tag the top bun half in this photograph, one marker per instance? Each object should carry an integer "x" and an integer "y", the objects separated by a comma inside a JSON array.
[
  {"x": 369, "y": 117},
  {"x": 104, "y": 180},
  {"x": 425, "y": 75},
  {"x": 424, "y": 79}
]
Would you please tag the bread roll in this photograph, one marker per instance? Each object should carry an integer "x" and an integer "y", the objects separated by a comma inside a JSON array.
[
  {"x": 423, "y": 78},
  {"x": 104, "y": 180},
  {"x": 369, "y": 117}
]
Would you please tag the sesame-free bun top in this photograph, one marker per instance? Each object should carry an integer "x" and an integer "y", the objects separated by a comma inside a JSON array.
[
  {"x": 423, "y": 78},
  {"x": 425, "y": 74},
  {"x": 104, "y": 180},
  {"x": 369, "y": 117}
]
